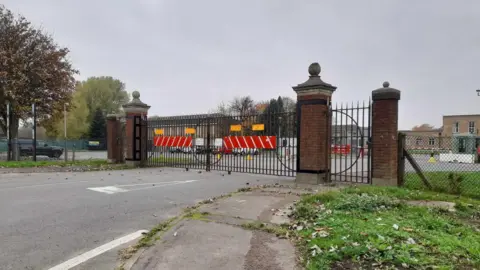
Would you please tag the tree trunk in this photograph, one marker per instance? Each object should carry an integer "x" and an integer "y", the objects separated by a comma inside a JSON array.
[{"x": 14, "y": 137}]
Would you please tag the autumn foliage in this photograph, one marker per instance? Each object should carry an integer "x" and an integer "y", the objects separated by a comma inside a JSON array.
[{"x": 33, "y": 69}]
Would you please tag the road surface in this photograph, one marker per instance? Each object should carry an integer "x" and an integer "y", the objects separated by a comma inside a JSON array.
[{"x": 49, "y": 218}]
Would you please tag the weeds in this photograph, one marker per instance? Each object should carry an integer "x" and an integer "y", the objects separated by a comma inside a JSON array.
[
  {"x": 371, "y": 227},
  {"x": 279, "y": 231}
]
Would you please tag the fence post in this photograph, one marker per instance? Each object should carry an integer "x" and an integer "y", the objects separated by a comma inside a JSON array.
[
  {"x": 401, "y": 159},
  {"x": 384, "y": 136},
  {"x": 313, "y": 128},
  {"x": 73, "y": 152},
  {"x": 132, "y": 109}
]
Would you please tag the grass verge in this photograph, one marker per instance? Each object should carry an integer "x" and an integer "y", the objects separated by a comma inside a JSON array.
[
  {"x": 372, "y": 228},
  {"x": 90, "y": 163},
  {"x": 52, "y": 163},
  {"x": 464, "y": 183},
  {"x": 169, "y": 161}
]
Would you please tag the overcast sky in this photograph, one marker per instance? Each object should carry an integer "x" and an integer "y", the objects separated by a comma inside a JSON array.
[{"x": 187, "y": 56}]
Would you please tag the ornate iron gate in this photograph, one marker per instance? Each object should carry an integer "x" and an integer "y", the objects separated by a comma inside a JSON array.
[
  {"x": 350, "y": 143},
  {"x": 263, "y": 143}
]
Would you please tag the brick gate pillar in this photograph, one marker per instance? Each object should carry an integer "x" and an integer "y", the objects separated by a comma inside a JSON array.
[
  {"x": 313, "y": 128},
  {"x": 384, "y": 135},
  {"x": 113, "y": 124},
  {"x": 136, "y": 130}
]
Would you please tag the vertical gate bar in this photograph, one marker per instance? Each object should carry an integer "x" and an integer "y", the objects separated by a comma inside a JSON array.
[
  {"x": 216, "y": 149},
  {"x": 328, "y": 152},
  {"x": 359, "y": 173},
  {"x": 341, "y": 140},
  {"x": 363, "y": 141},
  {"x": 351, "y": 144},
  {"x": 209, "y": 148},
  {"x": 258, "y": 163},
  {"x": 369, "y": 158},
  {"x": 333, "y": 130},
  {"x": 228, "y": 154}
]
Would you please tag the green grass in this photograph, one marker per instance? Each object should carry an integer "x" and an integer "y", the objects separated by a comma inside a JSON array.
[
  {"x": 464, "y": 183},
  {"x": 170, "y": 160},
  {"x": 51, "y": 163},
  {"x": 371, "y": 227}
]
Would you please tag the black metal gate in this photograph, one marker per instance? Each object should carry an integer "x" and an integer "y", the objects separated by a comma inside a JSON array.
[
  {"x": 261, "y": 143},
  {"x": 350, "y": 143}
]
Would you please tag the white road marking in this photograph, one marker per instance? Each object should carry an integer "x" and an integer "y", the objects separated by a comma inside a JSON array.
[
  {"x": 157, "y": 183},
  {"x": 97, "y": 251},
  {"x": 121, "y": 188},
  {"x": 108, "y": 189}
]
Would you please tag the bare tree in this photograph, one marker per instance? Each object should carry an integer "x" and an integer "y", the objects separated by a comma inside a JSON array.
[
  {"x": 243, "y": 106},
  {"x": 289, "y": 104}
]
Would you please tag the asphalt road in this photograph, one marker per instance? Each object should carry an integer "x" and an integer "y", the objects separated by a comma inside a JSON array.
[
  {"x": 49, "y": 218},
  {"x": 422, "y": 161}
]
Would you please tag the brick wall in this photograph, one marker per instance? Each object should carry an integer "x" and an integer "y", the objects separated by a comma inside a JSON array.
[
  {"x": 112, "y": 147},
  {"x": 314, "y": 134},
  {"x": 384, "y": 139}
]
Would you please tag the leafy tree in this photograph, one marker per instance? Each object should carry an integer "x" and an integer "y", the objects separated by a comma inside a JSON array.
[
  {"x": 279, "y": 119},
  {"x": 33, "y": 69},
  {"x": 270, "y": 117},
  {"x": 77, "y": 119},
  {"x": 98, "y": 127},
  {"x": 106, "y": 93}
]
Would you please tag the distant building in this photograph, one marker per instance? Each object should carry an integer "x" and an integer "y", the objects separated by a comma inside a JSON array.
[
  {"x": 350, "y": 134},
  {"x": 460, "y": 124},
  {"x": 424, "y": 139},
  {"x": 441, "y": 138}
]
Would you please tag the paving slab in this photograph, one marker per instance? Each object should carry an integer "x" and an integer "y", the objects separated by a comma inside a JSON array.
[
  {"x": 198, "y": 245},
  {"x": 250, "y": 205},
  {"x": 217, "y": 241}
]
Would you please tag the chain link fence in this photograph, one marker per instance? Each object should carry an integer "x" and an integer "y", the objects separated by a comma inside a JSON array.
[
  {"x": 51, "y": 149},
  {"x": 446, "y": 164}
]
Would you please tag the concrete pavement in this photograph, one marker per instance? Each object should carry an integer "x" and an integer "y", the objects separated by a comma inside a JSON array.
[
  {"x": 50, "y": 218},
  {"x": 223, "y": 235}
]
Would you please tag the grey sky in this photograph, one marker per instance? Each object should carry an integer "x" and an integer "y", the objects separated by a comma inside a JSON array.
[{"x": 187, "y": 56}]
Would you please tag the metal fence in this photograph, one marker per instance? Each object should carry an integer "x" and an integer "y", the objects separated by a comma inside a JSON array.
[
  {"x": 350, "y": 155},
  {"x": 261, "y": 143},
  {"x": 53, "y": 149},
  {"x": 446, "y": 164}
]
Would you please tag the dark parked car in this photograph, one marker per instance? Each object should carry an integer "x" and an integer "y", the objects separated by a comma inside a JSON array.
[{"x": 43, "y": 149}]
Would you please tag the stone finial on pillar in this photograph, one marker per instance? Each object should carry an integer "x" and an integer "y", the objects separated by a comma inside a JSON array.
[
  {"x": 314, "y": 126},
  {"x": 384, "y": 135},
  {"x": 136, "y": 130}
]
